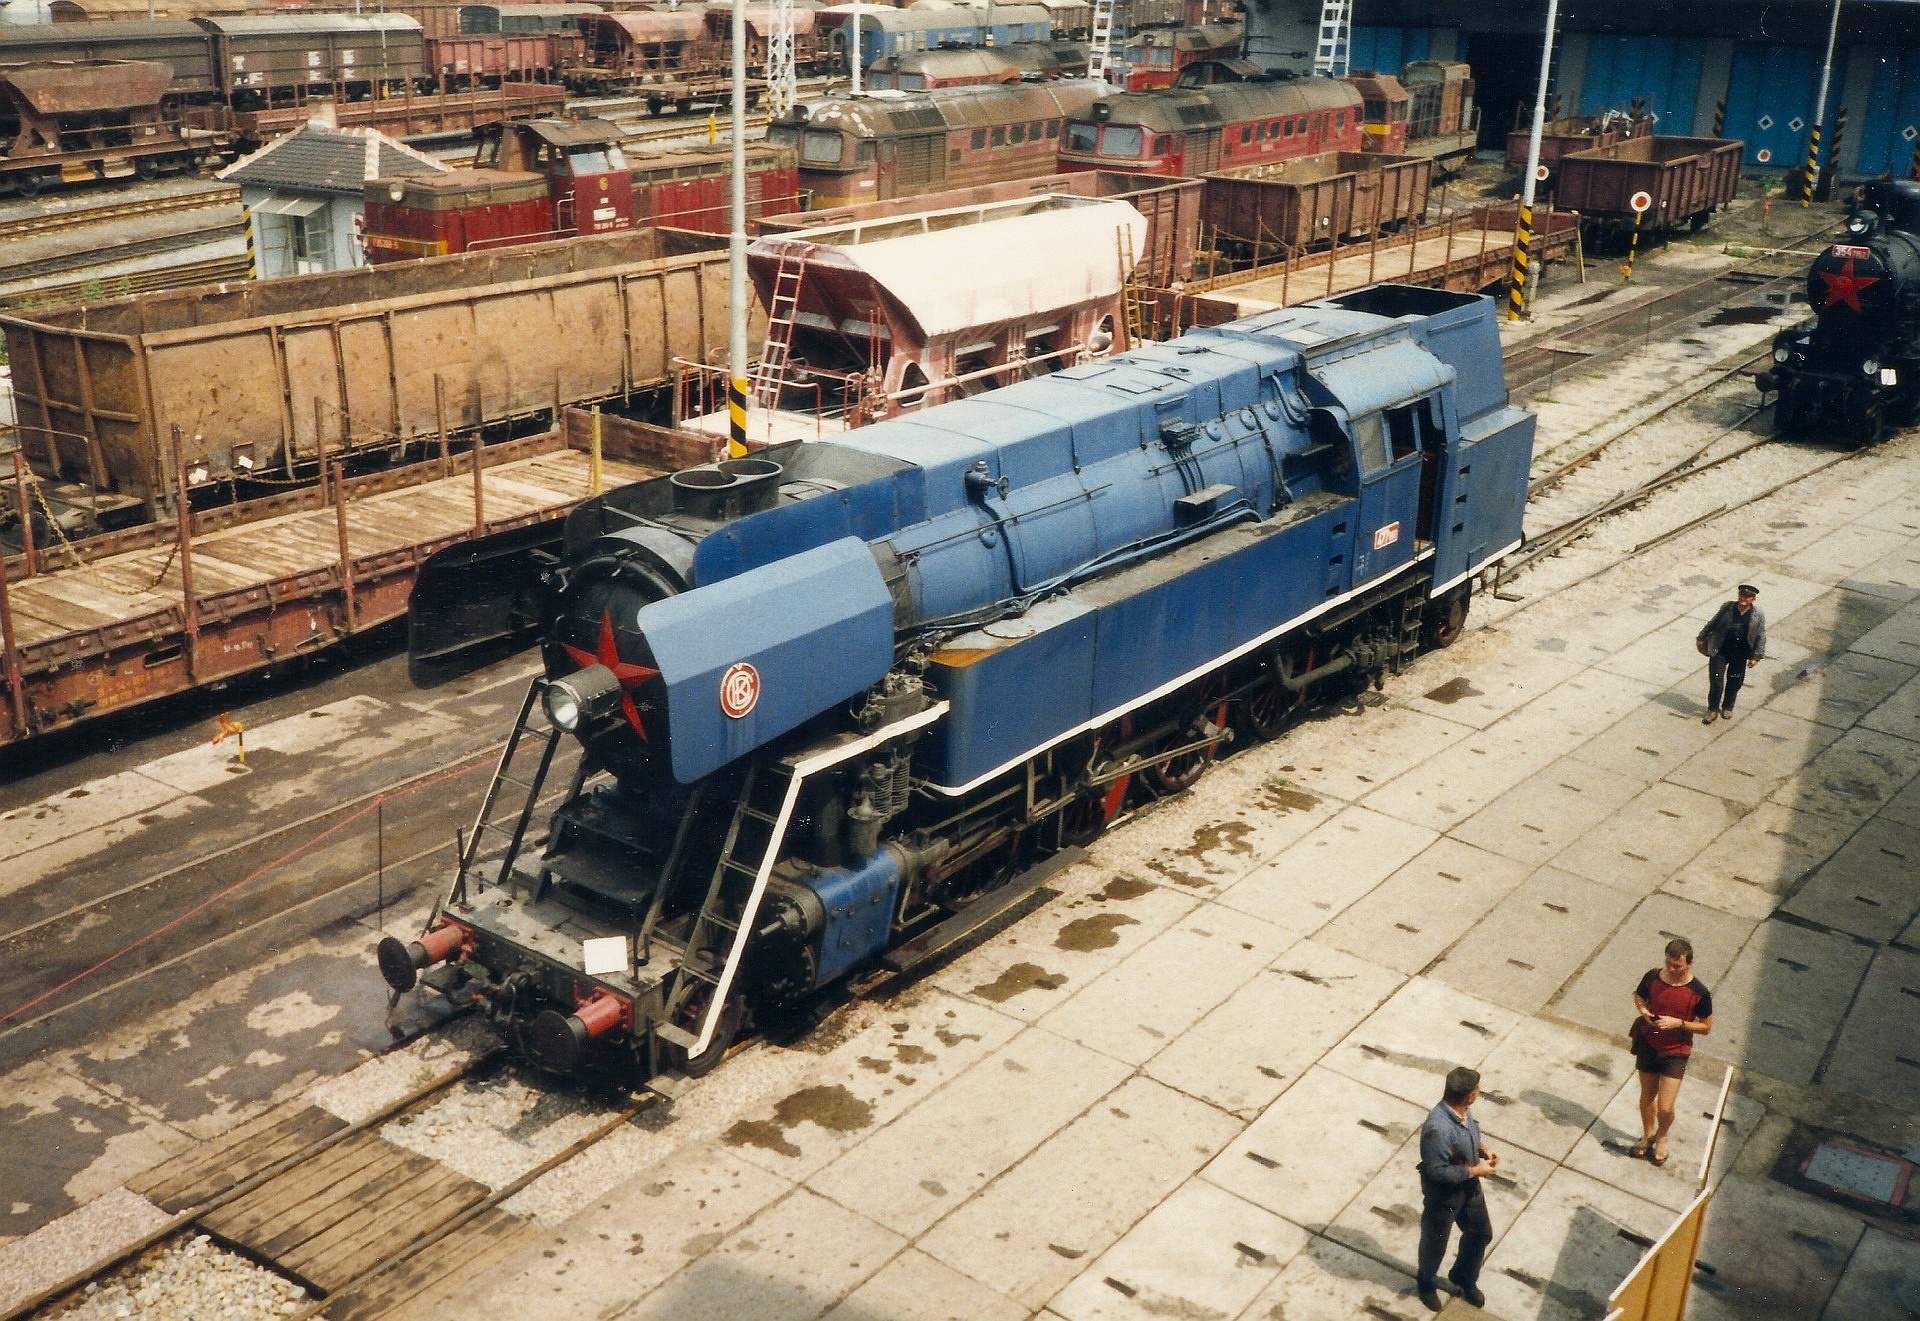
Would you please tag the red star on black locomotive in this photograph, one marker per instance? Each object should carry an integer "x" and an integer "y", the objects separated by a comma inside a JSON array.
[
  {"x": 1846, "y": 286},
  {"x": 631, "y": 676}
]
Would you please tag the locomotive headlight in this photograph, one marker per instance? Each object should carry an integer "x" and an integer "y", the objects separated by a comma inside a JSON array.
[
  {"x": 1870, "y": 367},
  {"x": 583, "y": 698},
  {"x": 1781, "y": 353},
  {"x": 1859, "y": 223}
]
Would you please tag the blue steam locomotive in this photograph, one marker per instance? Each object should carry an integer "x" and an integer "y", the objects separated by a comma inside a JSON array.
[
  {"x": 837, "y": 698},
  {"x": 1857, "y": 364}
]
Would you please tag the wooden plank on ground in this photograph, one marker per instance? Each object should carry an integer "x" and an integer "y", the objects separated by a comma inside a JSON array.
[
  {"x": 235, "y": 1156},
  {"x": 270, "y": 1210},
  {"x": 444, "y": 1273},
  {"x": 389, "y": 1220}
]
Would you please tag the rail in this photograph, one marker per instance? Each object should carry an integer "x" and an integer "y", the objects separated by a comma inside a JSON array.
[{"x": 213, "y": 270}]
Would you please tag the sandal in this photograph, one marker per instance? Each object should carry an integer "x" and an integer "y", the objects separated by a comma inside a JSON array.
[
  {"x": 1657, "y": 1157},
  {"x": 1640, "y": 1149}
]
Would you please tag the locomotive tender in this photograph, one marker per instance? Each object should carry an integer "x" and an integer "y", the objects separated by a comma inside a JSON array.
[
  {"x": 1858, "y": 362},
  {"x": 833, "y": 698}
]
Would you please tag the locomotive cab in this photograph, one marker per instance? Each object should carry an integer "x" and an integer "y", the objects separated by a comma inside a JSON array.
[{"x": 589, "y": 184}]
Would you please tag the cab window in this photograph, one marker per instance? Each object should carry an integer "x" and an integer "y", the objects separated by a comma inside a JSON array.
[
  {"x": 1080, "y": 137},
  {"x": 820, "y": 148},
  {"x": 999, "y": 137},
  {"x": 1371, "y": 436},
  {"x": 1122, "y": 140},
  {"x": 979, "y": 139}
]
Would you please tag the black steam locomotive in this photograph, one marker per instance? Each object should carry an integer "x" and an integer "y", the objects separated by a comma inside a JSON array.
[{"x": 1857, "y": 364}]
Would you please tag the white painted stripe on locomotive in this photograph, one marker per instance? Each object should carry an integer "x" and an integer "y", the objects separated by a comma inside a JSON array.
[
  {"x": 1225, "y": 658},
  {"x": 808, "y": 765},
  {"x": 1500, "y": 554}
]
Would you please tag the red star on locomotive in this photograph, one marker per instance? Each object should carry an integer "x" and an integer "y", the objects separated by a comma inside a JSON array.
[
  {"x": 1844, "y": 286},
  {"x": 631, "y": 676}
]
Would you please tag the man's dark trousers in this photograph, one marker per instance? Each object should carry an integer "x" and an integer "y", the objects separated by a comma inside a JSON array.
[
  {"x": 1725, "y": 674},
  {"x": 1447, "y": 1205}
]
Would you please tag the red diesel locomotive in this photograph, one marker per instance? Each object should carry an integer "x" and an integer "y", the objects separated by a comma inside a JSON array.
[
  {"x": 542, "y": 179},
  {"x": 1192, "y": 131}
]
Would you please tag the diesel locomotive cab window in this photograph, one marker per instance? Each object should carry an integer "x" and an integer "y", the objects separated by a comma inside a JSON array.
[
  {"x": 863, "y": 153},
  {"x": 1122, "y": 140},
  {"x": 1403, "y": 429},
  {"x": 594, "y": 160},
  {"x": 1080, "y": 137},
  {"x": 1053, "y": 129},
  {"x": 819, "y": 148},
  {"x": 783, "y": 135},
  {"x": 1371, "y": 436},
  {"x": 1246, "y": 133},
  {"x": 1000, "y": 137}
]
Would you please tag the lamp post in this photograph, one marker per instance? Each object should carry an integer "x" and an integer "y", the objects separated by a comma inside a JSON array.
[
  {"x": 1820, "y": 111},
  {"x": 1519, "y": 283},
  {"x": 737, "y": 247}
]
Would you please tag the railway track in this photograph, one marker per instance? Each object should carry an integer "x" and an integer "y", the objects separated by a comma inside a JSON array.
[
  {"x": 27, "y": 227},
  {"x": 211, "y": 270}
]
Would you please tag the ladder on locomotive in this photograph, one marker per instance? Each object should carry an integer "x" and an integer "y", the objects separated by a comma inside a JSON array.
[
  {"x": 1130, "y": 305},
  {"x": 509, "y": 773},
  {"x": 783, "y": 309},
  {"x": 746, "y": 861},
  {"x": 1100, "y": 41},
  {"x": 1331, "y": 55}
]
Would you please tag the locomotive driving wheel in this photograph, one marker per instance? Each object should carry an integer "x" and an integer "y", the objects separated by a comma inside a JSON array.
[
  {"x": 699, "y": 1066},
  {"x": 1447, "y": 617},
  {"x": 1184, "y": 769}
]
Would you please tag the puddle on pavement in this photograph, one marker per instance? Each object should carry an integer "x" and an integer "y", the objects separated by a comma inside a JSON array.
[
  {"x": 1282, "y": 797},
  {"x": 1119, "y": 889},
  {"x": 1453, "y": 690},
  {"x": 1086, "y": 934},
  {"x": 1020, "y": 977},
  {"x": 833, "y": 1108}
]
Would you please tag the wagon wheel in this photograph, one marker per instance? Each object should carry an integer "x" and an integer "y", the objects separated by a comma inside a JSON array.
[
  {"x": 28, "y": 185},
  {"x": 1447, "y": 619},
  {"x": 146, "y": 167},
  {"x": 699, "y": 1066},
  {"x": 1181, "y": 772},
  {"x": 1087, "y": 817}
]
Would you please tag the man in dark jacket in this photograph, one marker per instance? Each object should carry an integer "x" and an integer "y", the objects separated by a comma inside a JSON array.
[
  {"x": 1734, "y": 641},
  {"x": 1453, "y": 1160}
]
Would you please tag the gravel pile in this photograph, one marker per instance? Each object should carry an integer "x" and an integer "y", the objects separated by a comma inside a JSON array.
[
  {"x": 71, "y": 1244},
  {"x": 189, "y": 1279}
]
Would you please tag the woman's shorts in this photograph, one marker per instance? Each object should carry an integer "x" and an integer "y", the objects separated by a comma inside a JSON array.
[{"x": 1662, "y": 1066}]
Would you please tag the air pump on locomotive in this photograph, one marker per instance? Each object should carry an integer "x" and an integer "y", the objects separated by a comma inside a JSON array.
[
  {"x": 834, "y": 700},
  {"x": 1857, "y": 364}
]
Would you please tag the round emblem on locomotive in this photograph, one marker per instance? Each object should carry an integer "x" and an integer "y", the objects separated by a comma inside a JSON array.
[{"x": 739, "y": 689}]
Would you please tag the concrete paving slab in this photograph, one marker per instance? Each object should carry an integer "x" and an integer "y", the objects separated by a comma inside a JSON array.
[
  {"x": 79, "y": 812},
  {"x": 1854, "y": 777},
  {"x": 1772, "y": 1252},
  {"x": 80, "y": 844},
  {"x": 1407, "y": 1045},
  {"x": 1664, "y": 658},
  {"x": 1155, "y": 994},
  {"x": 1638, "y": 847},
  {"x": 1904, "y": 807},
  {"x": 1878, "y": 1053},
  {"x": 794, "y": 1260},
  {"x": 912, "y": 1171},
  {"x": 1063, "y": 946},
  {"x": 1316, "y": 1147},
  {"x": 1882, "y": 1280},
  {"x": 1867, "y": 887},
  {"x": 915, "y": 1287},
  {"x": 1897, "y": 639},
  {"x": 1478, "y": 770},
  {"x": 1844, "y": 552},
  {"x": 657, "y": 1224},
  {"x": 1832, "y": 622},
  {"x": 1536, "y": 938},
  {"x": 1030, "y": 1232},
  {"x": 1348, "y": 757},
  {"x": 1898, "y": 713},
  {"x": 1650, "y": 741},
  {"x": 1383, "y": 1222},
  {"x": 1760, "y": 860},
  {"x": 1201, "y": 1253},
  {"x": 1600, "y": 996},
  {"x": 1329, "y": 1282},
  {"x": 1602, "y": 1152},
  {"x": 1307, "y": 885},
  {"x": 1596, "y": 633},
  {"x": 1747, "y": 758},
  {"x": 1545, "y": 1085},
  {"x": 1273, "y": 1028},
  {"x": 1538, "y": 818},
  {"x": 1569, "y": 1249},
  {"x": 1782, "y": 592},
  {"x": 1487, "y": 683},
  {"x": 1895, "y": 576},
  {"x": 1232, "y": 841},
  {"x": 1410, "y": 919},
  {"x": 865, "y": 1082},
  {"x": 1841, "y": 691},
  {"x": 1781, "y": 1004}
]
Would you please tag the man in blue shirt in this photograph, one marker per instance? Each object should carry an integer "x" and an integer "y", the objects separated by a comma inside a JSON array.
[{"x": 1453, "y": 1160}]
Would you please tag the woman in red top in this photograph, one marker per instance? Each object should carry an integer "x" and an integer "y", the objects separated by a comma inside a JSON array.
[{"x": 1674, "y": 1008}]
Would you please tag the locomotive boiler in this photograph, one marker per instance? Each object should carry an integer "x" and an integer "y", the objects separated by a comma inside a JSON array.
[
  {"x": 833, "y": 700},
  {"x": 1856, "y": 366}
]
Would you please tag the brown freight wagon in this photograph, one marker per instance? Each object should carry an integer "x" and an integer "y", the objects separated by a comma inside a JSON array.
[
  {"x": 268, "y": 380},
  {"x": 1315, "y": 200},
  {"x": 1684, "y": 180},
  {"x": 1562, "y": 137},
  {"x": 1171, "y": 206}
]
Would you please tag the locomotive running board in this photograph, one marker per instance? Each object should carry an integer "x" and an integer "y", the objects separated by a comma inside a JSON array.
[{"x": 976, "y": 922}]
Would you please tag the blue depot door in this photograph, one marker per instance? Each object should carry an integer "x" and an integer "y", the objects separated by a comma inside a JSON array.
[
  {"x": 1891, "y": 133},
  {"x": 1387, "y": 50},
  {"x": 1663, "y": 73},
  {"x": 1770, "y": 102}
]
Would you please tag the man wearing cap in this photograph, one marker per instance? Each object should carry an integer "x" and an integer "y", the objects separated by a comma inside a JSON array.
[{"x": 1734, "y": 641}]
